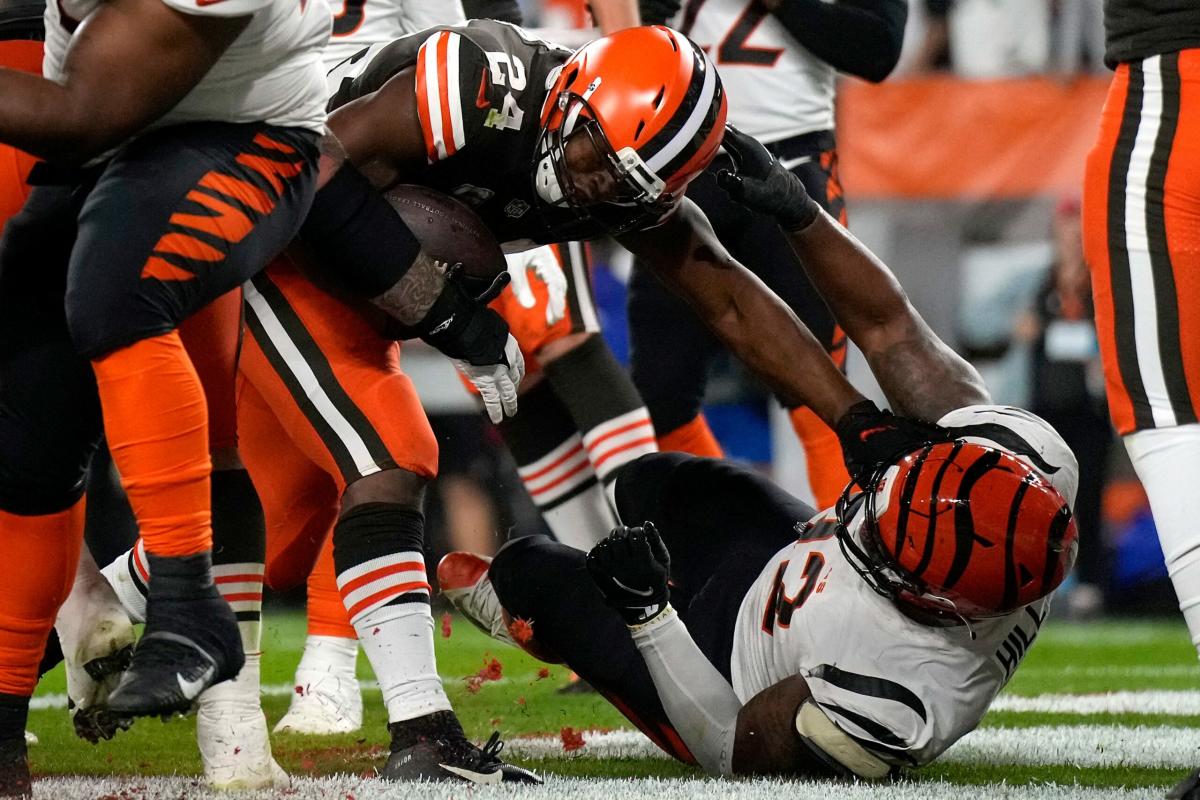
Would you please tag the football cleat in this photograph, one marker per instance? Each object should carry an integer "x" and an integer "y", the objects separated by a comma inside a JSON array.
[
  {"x": 96, "y": 638},
  {"x": 1187, "y": 789},
  {"x": 14, "y": 769},
  {"x": 189, "y": 645},
  {"x": 434, "y": 748},
  {"x": 464, "y": 581},
  {"x": 232, "y": 734},
  {"x": 327, "y": 696}
]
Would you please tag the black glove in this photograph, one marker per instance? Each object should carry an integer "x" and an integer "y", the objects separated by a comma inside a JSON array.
[
  {"x": 872, "y": 439},
  {"x": 460, "y": 324},
  {"x": 761, "y": 183},
  {"x": 630, "y": 567},
  {"x": 657, "y": 12}
]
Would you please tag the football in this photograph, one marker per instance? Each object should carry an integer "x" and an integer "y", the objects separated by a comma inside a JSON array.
[{"x": 448, "y": 230}]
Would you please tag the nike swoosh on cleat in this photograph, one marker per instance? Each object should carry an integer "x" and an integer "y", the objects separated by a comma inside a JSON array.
[
  {"x": 191, "y": 689},
  {"x": 638, "y": 592},
  {"x": 474, "y": 777}
]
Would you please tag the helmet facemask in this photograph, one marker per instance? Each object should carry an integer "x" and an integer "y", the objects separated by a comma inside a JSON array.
[{"x": 637, "y": 199}]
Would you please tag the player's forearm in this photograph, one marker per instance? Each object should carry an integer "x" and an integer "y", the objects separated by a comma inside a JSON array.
[
  {"x": 772, "y": 341},
  {"x": 47, "y": 120},
  {"x": 698, "y": 700},
  {"x": 919, "y": 373},
  {"x": 858, "y": 37},
  {"x": 615, "y": 15}
]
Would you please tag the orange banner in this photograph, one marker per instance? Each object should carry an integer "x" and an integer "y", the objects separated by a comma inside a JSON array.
[{"x": 943, "y": 137}]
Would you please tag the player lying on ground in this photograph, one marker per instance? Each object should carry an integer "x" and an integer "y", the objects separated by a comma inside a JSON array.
[{"x": 740, "y": 629}]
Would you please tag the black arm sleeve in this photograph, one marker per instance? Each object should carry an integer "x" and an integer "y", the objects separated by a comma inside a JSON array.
[
  {"x": 858, "y": 37},
  {"x": 361, "y": 245}
]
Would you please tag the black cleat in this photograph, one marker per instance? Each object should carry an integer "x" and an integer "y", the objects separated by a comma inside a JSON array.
[
  {"x": 434, "y": 748},
  {"x": 1186, "y": 789},
  {"x": 188, "y": 646},
  {"x": 14, "y": 769}
]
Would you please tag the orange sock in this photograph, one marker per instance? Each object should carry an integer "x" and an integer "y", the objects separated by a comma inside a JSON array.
[
  {"x": 827, "y": 474},
  {"x": 36, "y": 573},
  {"x": 693, "y": 437},
  {"x": 326, "y": 612},
  {"x": 157, "y": 428}
]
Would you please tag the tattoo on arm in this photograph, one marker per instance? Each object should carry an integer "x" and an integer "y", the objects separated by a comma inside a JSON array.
[{"x": 413, "y": 295}]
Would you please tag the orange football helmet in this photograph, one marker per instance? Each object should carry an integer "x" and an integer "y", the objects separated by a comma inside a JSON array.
[
  {"x": 653, "y": 107},
  {"x": 961, "y": 530}
]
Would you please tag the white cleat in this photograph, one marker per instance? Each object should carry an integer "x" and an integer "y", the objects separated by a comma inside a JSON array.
[
  {"x": 97, "y": 642},
  {"x": 328, "y": 698},
  {"x": 232, "y": 734},
  {"x": 130, "y": 589},
  {"x": 463, "y": 578},
  {"x": 30, "y": 738}
]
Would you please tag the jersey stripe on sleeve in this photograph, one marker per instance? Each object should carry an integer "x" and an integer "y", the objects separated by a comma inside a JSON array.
[{"x": 439, "y": 100}]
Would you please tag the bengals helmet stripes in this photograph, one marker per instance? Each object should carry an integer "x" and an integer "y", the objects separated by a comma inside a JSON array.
[
  {"x": 961, "y": 530},
  {"x": 654, "y": 106}
]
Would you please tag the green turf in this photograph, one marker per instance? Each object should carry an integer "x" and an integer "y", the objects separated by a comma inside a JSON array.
[{"x": 1066, "y": 659}]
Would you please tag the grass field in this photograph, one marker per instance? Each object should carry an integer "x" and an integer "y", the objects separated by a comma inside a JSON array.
[{"x": 1098, "y": 710}]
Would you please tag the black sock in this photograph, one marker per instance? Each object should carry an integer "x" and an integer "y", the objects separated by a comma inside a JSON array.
[
  {"x": 180, "y": 577},
  {"x": 14, "y": 713},
  {"x": 438, "y": 725}
]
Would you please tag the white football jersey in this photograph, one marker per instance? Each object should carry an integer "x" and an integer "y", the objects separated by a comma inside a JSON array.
[
  {"x": 905, "y": 690},
  {"x": 776, "y": 87},
  {"x": 271, "y": 73},
  {"x": 362, "y": 23}
]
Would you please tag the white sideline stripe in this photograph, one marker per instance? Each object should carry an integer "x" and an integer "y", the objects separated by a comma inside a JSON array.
[
  {"x": 1184, "y": 704},
  {"x": 172, "y": 788}
]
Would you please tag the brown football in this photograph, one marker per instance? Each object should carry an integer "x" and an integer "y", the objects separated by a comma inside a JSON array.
[{"x": 448, "y": 230}]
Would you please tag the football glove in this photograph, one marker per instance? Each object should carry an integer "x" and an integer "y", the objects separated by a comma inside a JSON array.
[
  {"x": 630, "y": 566},
  {"x": 873, "y": 440},
  {"x": 477, "y": 339},
  {"x": 758, "y": 181},
  {"x": 546, "y": 268}
]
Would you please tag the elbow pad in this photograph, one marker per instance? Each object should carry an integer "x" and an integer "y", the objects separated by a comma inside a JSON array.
[{"x": 834, "y": 746}]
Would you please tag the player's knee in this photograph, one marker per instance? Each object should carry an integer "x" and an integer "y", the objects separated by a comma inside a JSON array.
[{"x": 524, "y": 570}]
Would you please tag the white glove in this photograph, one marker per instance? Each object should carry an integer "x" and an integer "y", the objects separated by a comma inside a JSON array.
[
  {"x": 545, "y": 266},
  {"x": 497, "y": 383}
]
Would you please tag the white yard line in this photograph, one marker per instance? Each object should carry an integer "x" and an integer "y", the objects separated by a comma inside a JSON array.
[
  {"x": 1184, "y": 704},
  {"x": 339, "y": 788},
  {"x": 1076, "y": 745}
]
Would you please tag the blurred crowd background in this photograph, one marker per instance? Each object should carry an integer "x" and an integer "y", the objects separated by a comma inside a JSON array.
[{"x": 963, "y": 172}]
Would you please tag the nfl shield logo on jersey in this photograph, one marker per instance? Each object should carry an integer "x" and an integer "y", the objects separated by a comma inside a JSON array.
[{"x": 516, "y": 208}]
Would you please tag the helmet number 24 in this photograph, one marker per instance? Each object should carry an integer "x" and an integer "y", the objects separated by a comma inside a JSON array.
[{"x": 508, "y": 71}]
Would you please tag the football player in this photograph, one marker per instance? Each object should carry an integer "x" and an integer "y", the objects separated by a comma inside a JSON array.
[
  {"x": 162, "y": 188},
  {"x": 779, "y": 62},
  {"x": 745, "y": 631}
]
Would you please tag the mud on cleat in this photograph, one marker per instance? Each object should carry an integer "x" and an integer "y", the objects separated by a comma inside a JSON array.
[
  {"x": 434, "y": 748},
  {"x": 191, "y": 641},
  {"x": 463, "y": 578},
  {"x": 232, "y": 734},
  {"x": 327, "y": 697},
  {"x": 96, "y": 639}
]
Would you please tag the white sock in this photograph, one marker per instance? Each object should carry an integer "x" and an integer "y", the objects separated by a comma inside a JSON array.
[
  {"x": 565, "y": 488},
  {"x": 242, "y": 587},
  {"x": 387, "y": 599},
  {"x": 1165, "y": 460}
]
